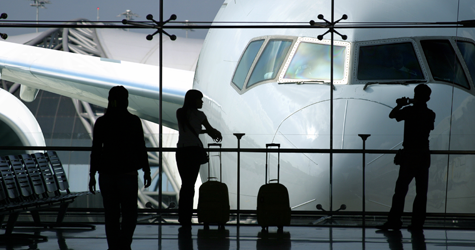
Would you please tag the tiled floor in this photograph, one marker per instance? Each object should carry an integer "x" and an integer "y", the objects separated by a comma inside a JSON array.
[{"x": 249, "y": 237}]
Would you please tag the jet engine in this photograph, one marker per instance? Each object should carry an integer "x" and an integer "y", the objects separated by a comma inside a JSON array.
[{"x": 18, "y": 126}]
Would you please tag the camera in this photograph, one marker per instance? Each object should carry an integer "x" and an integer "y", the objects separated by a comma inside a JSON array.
[{"x": 404, "y": 101}]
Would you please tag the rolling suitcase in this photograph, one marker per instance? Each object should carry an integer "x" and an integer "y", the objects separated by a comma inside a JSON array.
[
  {"x": 273, "y": 206},
  {"x": 213, "y": 201}
]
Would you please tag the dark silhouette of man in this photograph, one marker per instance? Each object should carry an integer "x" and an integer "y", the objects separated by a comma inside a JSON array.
[
  {"x": 118, "y": 151},
  {"x": 415, "y": 160}
]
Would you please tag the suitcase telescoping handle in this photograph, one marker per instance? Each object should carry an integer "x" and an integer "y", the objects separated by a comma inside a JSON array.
[
  {"x": 268, "y": 145},
  {"x": 220, "y": 162}
]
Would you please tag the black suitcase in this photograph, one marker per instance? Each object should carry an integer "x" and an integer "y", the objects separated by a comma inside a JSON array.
[
  {"x": 213, "y": 201},
  {"x": 273, "y": 206}
]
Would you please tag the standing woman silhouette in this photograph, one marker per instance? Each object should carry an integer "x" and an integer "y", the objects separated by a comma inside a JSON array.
[
  {"x": 190, "y": 122},
  {"x": 118, "y": 151}
]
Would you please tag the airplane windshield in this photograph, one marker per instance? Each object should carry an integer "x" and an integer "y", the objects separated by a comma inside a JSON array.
[
  {"x": 246, "y": 62},
  {"x": 443, "y": 62},
  {"x": 388, "y": 62},
  {"x": 270, "y": 61},
  {"x": 468, "y": 53},
  {"x": 312, "y": 61}
]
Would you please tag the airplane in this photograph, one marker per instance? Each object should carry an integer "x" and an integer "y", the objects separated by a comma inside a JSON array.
[{"x": 273, "y": 85}]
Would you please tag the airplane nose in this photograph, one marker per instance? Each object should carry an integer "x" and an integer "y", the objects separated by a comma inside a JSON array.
[{"x": 309, "y": 128}]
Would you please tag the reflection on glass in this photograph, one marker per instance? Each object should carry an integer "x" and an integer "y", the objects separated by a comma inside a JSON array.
[
  {"x": 388, "y": 62},
  {"x": 270, "y": 61},
  {"x": 246, "y": 63},
  {"x": 443, "y": 62},
  {"x": 312, "y": 61},
  {"x": 468, "y": 52}
]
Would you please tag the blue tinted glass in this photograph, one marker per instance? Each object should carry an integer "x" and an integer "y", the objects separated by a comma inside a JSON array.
[
  {"x": 246, "y": 62},
  {"x": 389, "y": 62},
  {"x": 468, "y": 52},
  {"x": 270, "y": 61},
  {"x": 312, "y": 61}
]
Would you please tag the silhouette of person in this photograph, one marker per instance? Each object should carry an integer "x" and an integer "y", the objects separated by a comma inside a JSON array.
[
  {"x": 190, "y": 122},
  {"x": 418, "y": 122},
  {"x": 118, "y": 151}
]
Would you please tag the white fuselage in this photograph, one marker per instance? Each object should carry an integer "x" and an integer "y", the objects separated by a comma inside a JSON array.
[{"x": 298, "y": 115}]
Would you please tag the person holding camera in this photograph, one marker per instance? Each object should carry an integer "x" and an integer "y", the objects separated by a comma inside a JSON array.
[{"x": 414, "y": 159}]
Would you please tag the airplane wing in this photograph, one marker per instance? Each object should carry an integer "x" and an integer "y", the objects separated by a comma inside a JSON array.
[{"x": 89, "y": 79}]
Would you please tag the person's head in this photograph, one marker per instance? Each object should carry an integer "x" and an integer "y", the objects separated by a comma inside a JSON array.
[
  {"x": 193, "y": 99},
  {"x": 118, "y": 98},
  {"x": 422, "y": 93}
]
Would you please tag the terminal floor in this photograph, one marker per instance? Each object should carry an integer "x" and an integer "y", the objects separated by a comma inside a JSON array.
[{"x": 249, "y": 237}]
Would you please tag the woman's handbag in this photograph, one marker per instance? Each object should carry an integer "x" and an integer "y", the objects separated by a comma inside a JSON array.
[
  {"x": 202, "y": 155},
  {"x": 400, "y": 157}
]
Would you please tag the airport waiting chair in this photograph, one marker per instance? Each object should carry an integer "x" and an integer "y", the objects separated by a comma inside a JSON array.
[
  {"x": 60, "y": 174},
  {"x": 58, "y": 170},
  {"x": 56, "y": 182},
  {"x": 9, "y": 183},
  {"x": 8, "y": 189},
  {"x": 36, "y": 178},
  {"x": 49, "y": 179},
  {"x": 21, "y": 176},
  {"x": 13, "y": 203},
  {"x": 32, "y": 183}
]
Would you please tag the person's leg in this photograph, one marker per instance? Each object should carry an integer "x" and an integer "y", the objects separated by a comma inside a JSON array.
[
  {"x": 402, "y": 184},
  {"x": 110, "y": 199},
  {"x": 188, "y": 173},
  {"x": 187, "y": 193},
  {"x": 422, "y": 184},
  {"x": 128, "y": 202}
]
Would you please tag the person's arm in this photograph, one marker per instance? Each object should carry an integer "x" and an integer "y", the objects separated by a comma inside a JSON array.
[
  {"x": 95, "y": 155},
  {"x": 396, "y": 110},
  {"x": 432, "y": 120},
  {"x": 147, "y": 179},
  {"x": 214, "y": 133}
]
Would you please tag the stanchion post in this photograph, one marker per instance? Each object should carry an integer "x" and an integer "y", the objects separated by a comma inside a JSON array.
[
  {"x": 238, "y": 136},
  {"x": 364, "y": 137}
]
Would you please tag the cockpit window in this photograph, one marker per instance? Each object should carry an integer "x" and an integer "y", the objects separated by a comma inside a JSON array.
[
  {"x": 246, "y": 62},
  {"x": 388, "y": 62},
  {"x": 468, "y": 53},
  {"x": 312, "y": 61},
  {"x": 270, "y": 61},
  {"x": 443, "y": 62}
]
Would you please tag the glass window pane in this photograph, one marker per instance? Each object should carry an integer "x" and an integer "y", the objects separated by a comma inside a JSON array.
[
  {"x": 270, "y": 61},
  {"x": 468, "y": 52},
  {"x": 388, "y": 62},
  {"x": 443, "y": 62},
  {"x": 246, "y": 62},
  {"x": 312, "y": 61}
]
